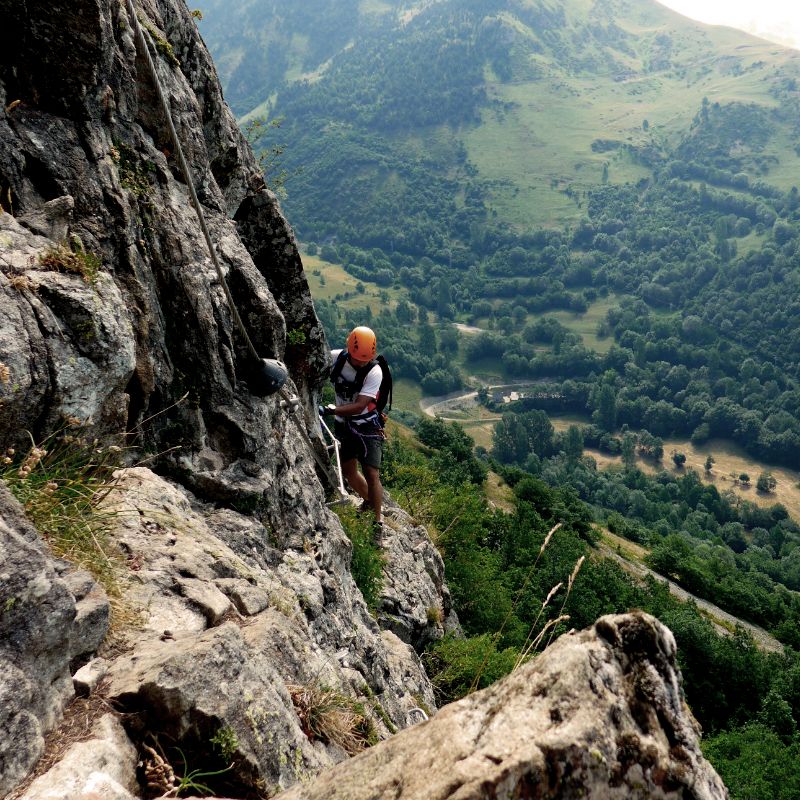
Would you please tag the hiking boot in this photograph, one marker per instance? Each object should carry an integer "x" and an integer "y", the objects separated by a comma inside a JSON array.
[
  {"x": 364, "y": 507},
  {"x": 377, "y": 532}
]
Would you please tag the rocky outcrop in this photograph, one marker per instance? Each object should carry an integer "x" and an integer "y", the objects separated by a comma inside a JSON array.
[
  {"x": 598, "y": 715},
  {"x": 114, "y": 316},
  {"x": 89, "y": 183},
  {"x": 229, "y": 623},
  {"x": 102, "y": 766},
  {"x": 42, "y": 630}
]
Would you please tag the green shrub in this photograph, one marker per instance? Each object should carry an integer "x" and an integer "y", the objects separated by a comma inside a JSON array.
[
  {"x": 458, "y": 665},
  {"x": 755, "y": 764},
  {"x": 367, "y": 561}
]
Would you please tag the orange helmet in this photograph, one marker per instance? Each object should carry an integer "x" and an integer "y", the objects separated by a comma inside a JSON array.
[{"x": 361, "y": 343}]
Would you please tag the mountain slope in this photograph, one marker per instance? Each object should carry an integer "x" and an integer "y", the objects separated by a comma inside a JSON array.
[{"x": 539, "y": 95}]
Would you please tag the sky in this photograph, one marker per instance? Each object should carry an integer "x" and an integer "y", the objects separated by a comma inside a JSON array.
[{"x": 777, "y": 20}]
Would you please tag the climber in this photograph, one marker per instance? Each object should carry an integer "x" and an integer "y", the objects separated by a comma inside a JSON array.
[{"x": 357, "y": 379}]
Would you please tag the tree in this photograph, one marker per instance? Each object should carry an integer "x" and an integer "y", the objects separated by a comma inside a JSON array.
[
  {"x": 629, "y": 450},
  {"x": 709, "y": 463},
  {"x": 766, "y": 482},
  {"x": 679, "y": 459},
  {"x": 573, "y": 443},
  {"x": 605, "y": 413},
  {"x": 427, "y": 339},
  {"x": 744, "y": 478}
]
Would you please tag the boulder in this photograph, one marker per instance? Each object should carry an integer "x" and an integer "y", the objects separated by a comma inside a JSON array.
[
  {"x": 599, "y": 714},
  {"x": 101, "y": 768}
]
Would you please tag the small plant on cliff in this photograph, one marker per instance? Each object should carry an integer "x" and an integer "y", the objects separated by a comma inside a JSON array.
[
  {"x": 162, "y": 45},
  {"x": 269, "y": 157},
  {"x": 61, "y": 483},
  {"x": 328, "y": 716},
  {"x": 295, "y": 337},
  {"x": 162, "y": 781},
  {"x": 367, "y": 561},
  {"x": 134, "y": 172},
  {"x": 64, "y": 259},
  {"x": 226, "y": 743}
]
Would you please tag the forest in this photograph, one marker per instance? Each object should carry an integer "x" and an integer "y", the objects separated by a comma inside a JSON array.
[
  {"x": 516, "y": 585},
  {"x": 683, "y": 226}
]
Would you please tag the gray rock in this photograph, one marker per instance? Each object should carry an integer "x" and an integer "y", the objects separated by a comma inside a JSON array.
[
  {"x": 79, "y": 582},
  {"x": 598, "y": 715},
  {"x": 87, "y": 678},
  {"x": 248, "y": 599},
  {"x": 150, "y": 346},
  {"x": 101, "y": 768},
  {"x": 91, "y": 623},
  {"x": 155, "y": 325},
  {"x": 192, "y": 687},
  {"x": 415, "y": 604},
  {"x": 36, "y": 615},
  {"x": 51, "y": 220},
  {"x": 213, "y": 604}
]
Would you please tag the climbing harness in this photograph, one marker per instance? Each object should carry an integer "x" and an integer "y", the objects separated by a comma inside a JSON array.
[
  {"x": 270, "y": 375},
  {"x": 362, "y": 436}
]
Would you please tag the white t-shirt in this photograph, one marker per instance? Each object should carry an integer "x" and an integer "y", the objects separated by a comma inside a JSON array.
[{"x": 372, "y": 383}]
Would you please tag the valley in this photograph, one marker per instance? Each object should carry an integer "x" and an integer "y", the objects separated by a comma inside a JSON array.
[{"x": 599, "y": 200}]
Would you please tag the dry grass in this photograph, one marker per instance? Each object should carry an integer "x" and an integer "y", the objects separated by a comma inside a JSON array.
[
  {"x": 730, "y": 461},
  {"x": 627, "y": 549},
  {"x": 498, "y": 493},
  {"x": 62, "y": 484},
  {"x": 328, "y": 716},
  {"x": 62, "y": 259}
]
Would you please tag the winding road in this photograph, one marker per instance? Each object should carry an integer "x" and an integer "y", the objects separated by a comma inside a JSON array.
[{"x": 722, "y": 620}]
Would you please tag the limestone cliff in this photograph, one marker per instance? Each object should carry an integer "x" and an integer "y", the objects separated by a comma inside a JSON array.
[{"x": 112, "y": 314}]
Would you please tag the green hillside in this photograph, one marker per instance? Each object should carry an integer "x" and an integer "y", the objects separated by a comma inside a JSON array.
[
  {"x": 531, "y": 99},
  {"x": 598, "y": 201}
]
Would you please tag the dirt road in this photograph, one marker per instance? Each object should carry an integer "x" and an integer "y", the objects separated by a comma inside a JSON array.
[{"x": 722, "y": 620}]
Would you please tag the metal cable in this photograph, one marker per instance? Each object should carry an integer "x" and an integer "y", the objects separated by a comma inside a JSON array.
[
  {"x": 187, "y": 175},
  {"x": 289, "y": 403}
]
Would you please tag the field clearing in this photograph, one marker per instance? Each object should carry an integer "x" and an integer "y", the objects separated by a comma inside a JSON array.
[
  {"x": 730, "y": 460},
  {"x": 548, "y": 119},
  {"x": 339, "y": 282},
  {"x": 583, "y": 324},
  {"x": 499, "y": 493},
  {"x": 481, "y": 433},
  {"x": 406, "y": 395},
  {"x": 626, "y": 548}
]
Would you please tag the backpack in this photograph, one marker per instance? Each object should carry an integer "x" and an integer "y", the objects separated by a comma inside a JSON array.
[{"x": 384, "y": 398}]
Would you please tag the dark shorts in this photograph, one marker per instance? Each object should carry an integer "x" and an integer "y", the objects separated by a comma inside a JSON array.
[{"x": 367, "y": 449}]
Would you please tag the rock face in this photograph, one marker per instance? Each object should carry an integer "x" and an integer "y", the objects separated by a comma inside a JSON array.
[
  {"x": 114, "y": 315},
  {"x": 40, "y": 634},
  {"x": 86, "y": 162},
  {"x": 228, "y": 624},
  {"x": 598, "y": 715}
]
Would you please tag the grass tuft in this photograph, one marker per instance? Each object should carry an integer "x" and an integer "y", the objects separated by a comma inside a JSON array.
[
  {"x": 61, "y": 484},
  {"x": 62, "y": 259},
  {"x": 328, "y": 716},
  {"x": 367, "y": 562}
]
